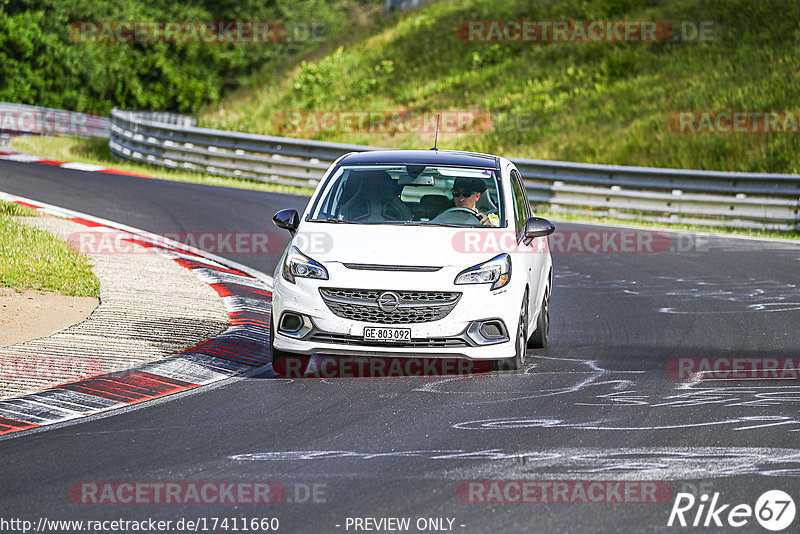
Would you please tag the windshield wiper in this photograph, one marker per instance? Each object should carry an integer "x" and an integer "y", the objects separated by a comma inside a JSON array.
[
  {"x": 448, "y": 225},
  {"x": 332, "y": 220}
]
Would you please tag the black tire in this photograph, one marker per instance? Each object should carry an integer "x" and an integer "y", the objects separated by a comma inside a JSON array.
[
  {"x": 515, "y": 363},
  {"x": 538, "y": 339}
]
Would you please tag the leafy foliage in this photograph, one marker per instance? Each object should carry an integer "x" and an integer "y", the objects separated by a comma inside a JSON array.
[{"x": 41, "y": 63}]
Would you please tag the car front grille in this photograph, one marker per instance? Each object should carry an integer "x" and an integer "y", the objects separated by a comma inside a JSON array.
[
  {"x": 380, "y": 267},
  {"x": 414, "y": 306},
  {"x": 433, "y": 342}
]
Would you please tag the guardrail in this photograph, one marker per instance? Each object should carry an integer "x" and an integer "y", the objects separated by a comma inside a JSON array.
[
  {"x": 21, "y": 119},
  {"x": 642, "y": 193}
]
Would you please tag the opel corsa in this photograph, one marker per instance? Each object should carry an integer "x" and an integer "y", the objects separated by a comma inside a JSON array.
[{"x": 414, "y": 253}]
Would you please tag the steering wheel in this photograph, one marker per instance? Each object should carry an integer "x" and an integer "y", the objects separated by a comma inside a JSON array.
[{"x": 456, "y": 215}]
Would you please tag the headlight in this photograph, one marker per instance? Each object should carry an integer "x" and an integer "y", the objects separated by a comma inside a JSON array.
[
  {"x": 496, "y": 271},
  {"x": 299, "y": 265}
]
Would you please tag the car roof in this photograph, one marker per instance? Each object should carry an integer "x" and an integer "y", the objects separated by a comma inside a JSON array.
[{"x": 427, "y": 157}]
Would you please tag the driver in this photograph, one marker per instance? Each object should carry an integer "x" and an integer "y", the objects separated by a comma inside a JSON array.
[{"x": 466, "y": 192}]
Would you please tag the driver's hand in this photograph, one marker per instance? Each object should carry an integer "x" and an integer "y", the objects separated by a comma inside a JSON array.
[{"x": 484, "y": 219}]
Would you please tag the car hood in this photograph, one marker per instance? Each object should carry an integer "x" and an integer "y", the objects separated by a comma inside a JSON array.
[{"x": 389, "y": 244}]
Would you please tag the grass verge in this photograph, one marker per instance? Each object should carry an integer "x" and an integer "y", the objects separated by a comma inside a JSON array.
[
  {"x": 34, "y": 259},
  {"x": 96, "y": 152}
]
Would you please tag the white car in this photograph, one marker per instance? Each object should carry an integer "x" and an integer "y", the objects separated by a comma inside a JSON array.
[{"x": 384, "y": 262}]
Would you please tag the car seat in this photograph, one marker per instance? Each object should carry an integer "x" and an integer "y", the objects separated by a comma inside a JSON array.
[
  {"x": 485, "y": 204},
  {"x": 373, "y": 198}
]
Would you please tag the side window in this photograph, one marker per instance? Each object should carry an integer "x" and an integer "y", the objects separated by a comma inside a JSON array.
[{"x": 520, "y": 203}]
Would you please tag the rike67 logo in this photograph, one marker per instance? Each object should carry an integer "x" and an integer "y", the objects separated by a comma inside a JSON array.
[{"x": 774, "y": 510}]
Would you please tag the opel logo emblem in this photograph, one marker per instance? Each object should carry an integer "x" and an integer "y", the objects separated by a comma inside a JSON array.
[{"x": 389, "y": 301}]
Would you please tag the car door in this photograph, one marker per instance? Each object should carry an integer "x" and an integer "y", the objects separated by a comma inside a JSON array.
[{"x": 533, "y": 257}]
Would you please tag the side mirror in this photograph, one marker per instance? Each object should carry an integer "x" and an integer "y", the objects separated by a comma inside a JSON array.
[
  {"x": 537, "y": 227},
  {"x": 287, "y": 219}
]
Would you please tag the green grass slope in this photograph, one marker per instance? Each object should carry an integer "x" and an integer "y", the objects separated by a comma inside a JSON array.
[{"x": 590, "y": 102}]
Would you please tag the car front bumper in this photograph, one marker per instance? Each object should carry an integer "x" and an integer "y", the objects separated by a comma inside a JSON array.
[{"x": 453, "y": 336}]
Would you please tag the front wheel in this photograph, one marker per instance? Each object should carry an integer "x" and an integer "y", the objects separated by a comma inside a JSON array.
[
  {"x": 515, "y": 363},
  {"x": 538, "y": 339}
]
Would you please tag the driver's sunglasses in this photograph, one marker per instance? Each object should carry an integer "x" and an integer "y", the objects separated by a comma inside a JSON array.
[{"x": 463, "y": 194}]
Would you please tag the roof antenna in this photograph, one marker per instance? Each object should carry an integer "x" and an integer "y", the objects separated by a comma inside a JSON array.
[{"x": 436, "y": 138}]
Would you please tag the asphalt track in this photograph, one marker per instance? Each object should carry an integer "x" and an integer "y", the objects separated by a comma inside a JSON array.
[{"x": 598, "y": 404}]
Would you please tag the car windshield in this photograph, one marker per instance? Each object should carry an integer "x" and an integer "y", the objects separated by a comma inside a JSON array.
[{"x": 411, "y": 195}]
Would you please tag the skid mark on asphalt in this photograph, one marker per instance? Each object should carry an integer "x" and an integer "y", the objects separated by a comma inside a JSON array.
[
  {"x": 593, "y": 370},
  {"x": 641, "y": 463},
  {"x": 571, "y": 279},
  {"x": 695, "y": 394},
  {"x": 603, "y": 391},
  {"x": 632, "y": 409},
  {"x": 686, "y": 294},
  {"x": 748, "y": 295},
  {"x": 739, "y": 423},
  {"x": 626, "y": 463}
]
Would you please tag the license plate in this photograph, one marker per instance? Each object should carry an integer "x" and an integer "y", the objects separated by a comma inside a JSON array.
[{"x": 387, "y": 334}]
